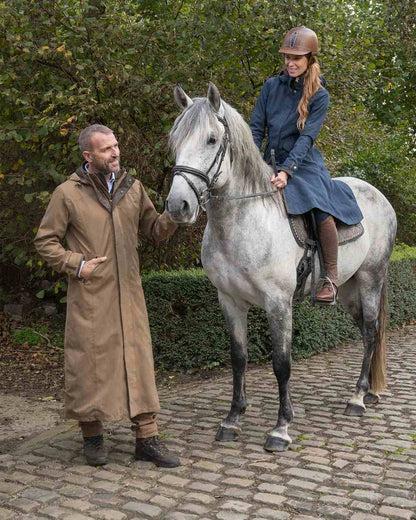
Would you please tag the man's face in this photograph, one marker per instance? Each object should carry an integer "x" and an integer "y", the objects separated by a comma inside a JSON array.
[{"x": 104, "y": 154}]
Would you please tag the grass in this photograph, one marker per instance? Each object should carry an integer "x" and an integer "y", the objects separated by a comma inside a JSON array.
[{"x": 26, "y": 335}]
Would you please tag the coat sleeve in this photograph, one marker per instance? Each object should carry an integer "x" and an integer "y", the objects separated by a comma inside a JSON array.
[
  {"x": 317, "y": 112},
  {"x": 152, "y": 225},
  {"x": 51, "y": 232},
  {"x": 258, "y": 121}
]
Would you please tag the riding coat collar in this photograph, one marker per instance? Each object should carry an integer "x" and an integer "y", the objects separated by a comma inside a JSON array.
[{"x": 296, "y": 84}]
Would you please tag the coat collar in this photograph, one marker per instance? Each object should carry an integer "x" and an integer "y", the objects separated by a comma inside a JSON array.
[
  {"x": 297, "y": 84},
  {"x": 124, "y": 181}
]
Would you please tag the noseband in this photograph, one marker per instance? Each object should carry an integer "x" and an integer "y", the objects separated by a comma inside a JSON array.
[{"x": 184, "y": 171}]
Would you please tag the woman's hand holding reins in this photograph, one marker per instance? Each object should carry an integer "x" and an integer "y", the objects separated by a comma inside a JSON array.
[{"x": 279, "y": 180}]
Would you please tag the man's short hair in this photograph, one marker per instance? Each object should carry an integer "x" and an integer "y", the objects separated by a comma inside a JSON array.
[{"x": 84, "y": 139}]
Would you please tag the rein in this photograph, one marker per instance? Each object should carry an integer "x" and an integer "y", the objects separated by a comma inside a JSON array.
[
  {"x": 206, "y": 195},
  {"x": 239, "y": 197}
]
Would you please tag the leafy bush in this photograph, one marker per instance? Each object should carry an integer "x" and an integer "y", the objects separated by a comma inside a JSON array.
[
  {"x": 403, "y": 251},
  {"x": 387, "y": 161},
  {"x": 69, "y": 63}
]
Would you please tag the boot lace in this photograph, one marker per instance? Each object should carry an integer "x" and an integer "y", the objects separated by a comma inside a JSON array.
[{"x": 156, "y": 443}]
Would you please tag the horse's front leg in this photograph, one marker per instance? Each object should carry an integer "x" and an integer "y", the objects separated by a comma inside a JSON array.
[
  {"x": 235, "y": 314},
  {"x": 280, "y": 322}
]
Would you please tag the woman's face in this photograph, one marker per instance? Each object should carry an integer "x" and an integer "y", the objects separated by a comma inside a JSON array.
[{"x": 296, "y": 65}]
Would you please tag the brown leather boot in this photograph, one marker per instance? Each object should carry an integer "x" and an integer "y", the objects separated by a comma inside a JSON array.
[
  {"x": 328, "y": 236},
  {"x": 153, "y": 450},
  {"x": 327, "y": 295}
]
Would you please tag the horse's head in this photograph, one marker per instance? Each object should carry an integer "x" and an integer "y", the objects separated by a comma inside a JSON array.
[{"x": 200, "y": 142}]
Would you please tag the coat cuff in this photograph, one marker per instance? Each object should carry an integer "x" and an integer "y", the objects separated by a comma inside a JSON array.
[
  {"x": 73, "y": 263},
  {"x": 168, "y": 223},
  {"x": 286, "y": 168}
]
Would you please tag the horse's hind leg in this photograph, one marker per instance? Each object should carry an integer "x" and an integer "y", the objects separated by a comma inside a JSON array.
[
  {"x": 365, "y": 299},
  {"x": 235, "y": 314}
]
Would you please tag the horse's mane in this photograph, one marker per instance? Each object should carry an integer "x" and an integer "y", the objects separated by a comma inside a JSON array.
[{"x": 248, "y": 163}]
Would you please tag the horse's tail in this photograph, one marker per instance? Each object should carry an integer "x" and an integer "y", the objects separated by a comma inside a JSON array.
[{"x": 378, "y": 360}]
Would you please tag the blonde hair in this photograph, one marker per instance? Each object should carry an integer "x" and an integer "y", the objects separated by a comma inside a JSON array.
[{"x": 311, "y": 85}]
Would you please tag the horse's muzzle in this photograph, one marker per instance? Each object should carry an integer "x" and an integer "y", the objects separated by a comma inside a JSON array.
[{"x": 180, "y": 211}]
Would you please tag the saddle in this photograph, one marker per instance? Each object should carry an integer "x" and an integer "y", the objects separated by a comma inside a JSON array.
[{"x": 305, "y": 232}]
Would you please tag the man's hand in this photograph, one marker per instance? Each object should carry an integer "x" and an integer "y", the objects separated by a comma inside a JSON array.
[
  {"x": 89, "y": 266},
  {"x": 279, "y": 180}
]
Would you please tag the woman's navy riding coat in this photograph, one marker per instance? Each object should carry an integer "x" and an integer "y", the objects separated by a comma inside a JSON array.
[{"x": 309, "y": 185}]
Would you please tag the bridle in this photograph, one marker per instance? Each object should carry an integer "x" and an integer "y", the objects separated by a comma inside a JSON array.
[
  {"x": 184, "y": 171},
  {"x": 206, "y": 194}
]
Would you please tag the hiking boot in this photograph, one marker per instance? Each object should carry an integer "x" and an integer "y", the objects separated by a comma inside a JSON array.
[
  {"x": 327, "y": 294},
  {"x": 94, "y": 451},
  {"x": 153, "y": 450}
]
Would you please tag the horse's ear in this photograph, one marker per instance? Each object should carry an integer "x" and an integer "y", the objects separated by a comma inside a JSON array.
[
  {"x": 214, "y": 97},
  {"x": 182, "y": 99}
]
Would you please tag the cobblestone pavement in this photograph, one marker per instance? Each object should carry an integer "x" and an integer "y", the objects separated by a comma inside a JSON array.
[{"x": 337, "y": 468}]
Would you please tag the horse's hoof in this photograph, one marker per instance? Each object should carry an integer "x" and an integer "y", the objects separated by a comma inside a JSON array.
[
  {"x": 354, "y": 410},
  {"x": 227, "y": 434},
  {"x": 276, "y": 444},
  {"x": 371, "y": 398}
]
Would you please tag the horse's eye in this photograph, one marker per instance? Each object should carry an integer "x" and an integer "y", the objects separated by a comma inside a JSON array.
[{"x": 212, "y": 139}]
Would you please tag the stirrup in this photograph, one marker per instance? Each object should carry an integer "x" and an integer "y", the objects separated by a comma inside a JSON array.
[{"x": 334, "y": 289}]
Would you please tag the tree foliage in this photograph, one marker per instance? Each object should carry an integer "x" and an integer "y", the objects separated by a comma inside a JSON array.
[{"x": 65, "y": 64}]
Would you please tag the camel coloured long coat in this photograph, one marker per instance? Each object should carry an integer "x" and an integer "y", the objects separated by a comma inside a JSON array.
[{"x": 109, "y": 373}]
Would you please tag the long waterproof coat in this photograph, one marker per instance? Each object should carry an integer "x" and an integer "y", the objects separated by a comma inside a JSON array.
[
  {"x": 310, "y": 184},
  {"x": 109, "y": 373}
]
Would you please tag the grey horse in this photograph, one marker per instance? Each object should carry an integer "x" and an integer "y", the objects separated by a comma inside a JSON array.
[{"x": 250, "y": 255}]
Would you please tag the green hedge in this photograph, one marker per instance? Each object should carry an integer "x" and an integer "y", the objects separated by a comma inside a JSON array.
[{"x": 189, "y": 331}]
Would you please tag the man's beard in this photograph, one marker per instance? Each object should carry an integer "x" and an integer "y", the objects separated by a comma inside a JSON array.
[{"x": 105, "y": 169}]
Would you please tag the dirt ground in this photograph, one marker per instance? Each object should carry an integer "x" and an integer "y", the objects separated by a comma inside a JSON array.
[
  {"x": 31, "y": 379},
  {"x": 32, "y": 382}
]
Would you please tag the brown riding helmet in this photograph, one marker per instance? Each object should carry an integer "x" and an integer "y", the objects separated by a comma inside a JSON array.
[{"x": 300, "y": 40}]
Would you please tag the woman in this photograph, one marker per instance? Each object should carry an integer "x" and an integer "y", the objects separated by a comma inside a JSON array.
[{"x": 292, "y": 107}]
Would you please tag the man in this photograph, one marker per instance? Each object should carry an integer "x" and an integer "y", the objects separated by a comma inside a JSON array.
[{"x": 109, "y": 373}]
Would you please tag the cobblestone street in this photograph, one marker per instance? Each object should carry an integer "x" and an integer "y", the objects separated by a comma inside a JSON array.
[{"x": 338, "y": 467}]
